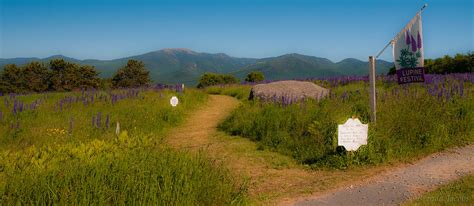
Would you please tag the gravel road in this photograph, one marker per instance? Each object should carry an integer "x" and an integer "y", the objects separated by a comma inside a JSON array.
[{"x": 405, "y": 183}]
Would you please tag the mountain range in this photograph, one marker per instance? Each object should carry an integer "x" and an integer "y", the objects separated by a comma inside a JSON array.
[{"x": 186, "y": 66}]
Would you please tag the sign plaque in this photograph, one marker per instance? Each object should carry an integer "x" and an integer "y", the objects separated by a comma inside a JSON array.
[{"x": 352, "y": 134}]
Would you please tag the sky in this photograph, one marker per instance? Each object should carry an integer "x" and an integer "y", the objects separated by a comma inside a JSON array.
[{"x": 338, "y": 29}]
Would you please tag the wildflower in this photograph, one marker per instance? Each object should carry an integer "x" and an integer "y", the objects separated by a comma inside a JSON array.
[{"x": 99, "y": 115}]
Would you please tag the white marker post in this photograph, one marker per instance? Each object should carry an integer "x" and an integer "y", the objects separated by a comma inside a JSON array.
[{"x": 174, "y": 101}]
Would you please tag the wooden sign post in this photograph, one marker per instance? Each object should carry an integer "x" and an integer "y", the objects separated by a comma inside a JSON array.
[{"x": 373, "y": 115}]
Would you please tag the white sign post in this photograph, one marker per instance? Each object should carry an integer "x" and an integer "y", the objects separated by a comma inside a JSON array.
[
  {"x": 174, "y": 101},
  {"x": 352, "y": 134}
]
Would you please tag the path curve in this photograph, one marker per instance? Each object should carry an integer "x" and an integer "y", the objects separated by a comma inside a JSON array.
[
  {"x": 403, "y": 184},
  {"x": 194, "y": 133},
  {"x": 278, "y": 179}
]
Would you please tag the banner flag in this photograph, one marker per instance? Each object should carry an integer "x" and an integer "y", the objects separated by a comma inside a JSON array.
[{"x": 408, "y": 52}]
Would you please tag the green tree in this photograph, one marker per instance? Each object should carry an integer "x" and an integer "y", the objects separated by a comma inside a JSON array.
[
  {"x": 62, "y": 73},
  {"x": 392, "y": 71},
  {"x": 229, "y": 79},
  {"x": 460, "y": 63},
  {"x": 11, "y": 80},
  {"x": 88, "y": 77},
  {"x": 134, "y": 74},
  {"x": 35, "y": 77},
  {"x": 209, "y": 79},
  {"x": 254, "y": 76}
]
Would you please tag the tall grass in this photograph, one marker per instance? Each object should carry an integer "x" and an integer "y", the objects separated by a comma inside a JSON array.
[
  {"x": 68, "y": 117},
  {"x": 413, "y": 120},
  {"x": 128, "y": 170},
  {"x": 240, "y": 92},
  {"x": 62, "y": 148},
  {"x": 459, "y": 192}
]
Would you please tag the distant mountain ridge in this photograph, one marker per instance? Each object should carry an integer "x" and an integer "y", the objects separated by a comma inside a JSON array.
[{"x": 186, "y": 66}]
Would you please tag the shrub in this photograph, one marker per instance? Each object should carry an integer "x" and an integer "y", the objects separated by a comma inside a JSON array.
[
  {"x": 210, "y": 79},
  {"x": 255, "y": 76}
]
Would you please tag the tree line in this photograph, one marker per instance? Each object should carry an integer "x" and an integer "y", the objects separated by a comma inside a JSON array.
[
  {"x": 60, "y": 75},
  {"x": 210, "y": 79},
  {"x": 460, "y": 63}
]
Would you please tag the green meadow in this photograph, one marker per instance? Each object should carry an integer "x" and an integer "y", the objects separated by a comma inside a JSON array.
[
  {"x": 412, "y": 121},
  {"x": 65, "y": 148},
  {"x": 108, "y": 146}
]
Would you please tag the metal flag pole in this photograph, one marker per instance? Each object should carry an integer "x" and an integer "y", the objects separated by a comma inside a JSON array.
[{"x": 372, "y": 76}]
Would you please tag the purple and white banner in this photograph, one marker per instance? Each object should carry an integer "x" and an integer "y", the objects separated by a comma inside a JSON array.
[{"x": 408, "y": 52}]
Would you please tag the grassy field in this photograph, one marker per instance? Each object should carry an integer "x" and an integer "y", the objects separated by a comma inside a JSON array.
[
  {"x": 66, "y": 148},
  {"x": 62, "y": 148},
  {"x": 460, "y": 192},
  {"x": 413, "y": 121},
  {"x": 42, "y": 119}
]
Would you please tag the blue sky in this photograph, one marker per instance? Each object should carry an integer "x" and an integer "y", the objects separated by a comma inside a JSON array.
[{"x": 108, "y": 29}]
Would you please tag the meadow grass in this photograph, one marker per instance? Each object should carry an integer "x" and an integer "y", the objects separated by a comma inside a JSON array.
[
  {"x": 62, "y": 148},
  {"x": 412, "y": 121},
  {"x": 69, "y": 117},
  {"x": 460, "y": 192},
  {"x": 240, "y": 92},
  {"x": 128, "y": 170}
]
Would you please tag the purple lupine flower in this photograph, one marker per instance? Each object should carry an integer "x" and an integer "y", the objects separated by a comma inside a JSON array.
[
  {"x": 418, "y": 40},
  {"x": 413, "y": 45},
  {"x": 107, "y": 121},
  {"x": 15, "y": 105},
  {"x": 448, "y": 95},
  {"x": 407, "y": 37},
  {"x": 99, "y": 115},
  {"x": 1, "y": 115},
  {"x": 461, "y": 89}
]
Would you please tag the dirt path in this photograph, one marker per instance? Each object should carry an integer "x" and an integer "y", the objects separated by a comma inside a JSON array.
[{"x": 276, "y": 179}]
